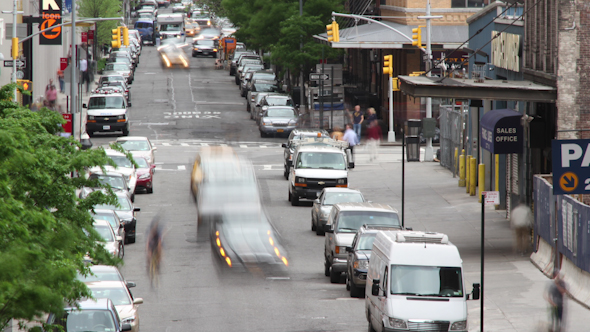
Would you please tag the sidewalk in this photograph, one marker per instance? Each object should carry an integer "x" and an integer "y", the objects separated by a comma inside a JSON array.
[
  {"x": 64, "y": 103},
  {"x": 514, "y": 287}
]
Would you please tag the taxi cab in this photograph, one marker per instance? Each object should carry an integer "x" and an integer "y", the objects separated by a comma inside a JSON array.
[{"x": 107, "y": 112}]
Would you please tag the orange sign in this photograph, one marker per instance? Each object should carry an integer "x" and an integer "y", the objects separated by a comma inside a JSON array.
[
  {"x": 568, "y": 182},
  {"x": 50, "y": 11},
  {"x": 53, "y": 33}
]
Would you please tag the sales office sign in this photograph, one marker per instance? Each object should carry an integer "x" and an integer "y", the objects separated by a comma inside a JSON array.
[
  {"x": 502, "y": 132},
  {"x": 51, "y": 11}
]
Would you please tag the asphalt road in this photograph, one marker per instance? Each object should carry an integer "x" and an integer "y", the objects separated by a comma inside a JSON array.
[{"x": 183, "y": 110}]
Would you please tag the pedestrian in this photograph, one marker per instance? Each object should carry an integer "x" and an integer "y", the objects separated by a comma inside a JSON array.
[
  {"x": 352, "y": 139},
  {"x": 62, "y": 83},
  {"x": 156, "y": 39},
  {"x": 84, "y": 71},
  {"x": 521, "y": 220},
  {"x": 337, "y": 134},
  {"x": 554, "y": 296},
  {"x": 374, "y": 135},
  {"x": 51, "y": 95},
  {"x": 371, "y": 115},
  {"x": 357, "y": 120}
]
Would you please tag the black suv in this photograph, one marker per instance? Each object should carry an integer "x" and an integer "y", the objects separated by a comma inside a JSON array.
[{"x": 296, "y": 135}]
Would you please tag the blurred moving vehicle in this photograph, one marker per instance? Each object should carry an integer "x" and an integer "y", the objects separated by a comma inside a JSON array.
[
  {"x": 278, "y": 120},
  {"x": 145, "y": 175},
  {"x": 206, "y": 47},
  {"x": 322, "y": 206},
  {"x": 112, "y": 243},
  {"x": 139, "y": 146},
  {"x": 117, "y": 291},
  {"x": 192, "y": 29},
  {"x": 172, "y": 55},
  {"x": 89, "y": 315}
]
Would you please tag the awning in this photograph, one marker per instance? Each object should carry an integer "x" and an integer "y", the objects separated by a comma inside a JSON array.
[
  {"x": 502, "y": 132},
  {"x": 372, "y": 35}
]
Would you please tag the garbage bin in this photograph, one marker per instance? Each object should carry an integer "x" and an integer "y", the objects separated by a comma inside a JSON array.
[
  {"x": 412, "y": 148},
  {"x": 414, "y": 127}
]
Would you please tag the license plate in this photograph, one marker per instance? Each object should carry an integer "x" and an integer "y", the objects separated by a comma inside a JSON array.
[
  {"x": 279, "y": 130},
  {"x": 106, "y": 127}
]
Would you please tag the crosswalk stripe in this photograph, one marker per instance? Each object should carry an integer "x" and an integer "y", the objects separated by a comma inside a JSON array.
[
  {"x": 263, "y": 146},
  {"x": 184, "y": 144},
  {"x": 204, "y": 144},
  {"x": 243, "y": 146},
  {"x": 181, "y": 168},
  {"x": 166, "y": 144}
]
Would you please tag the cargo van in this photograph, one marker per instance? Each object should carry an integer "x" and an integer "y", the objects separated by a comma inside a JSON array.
[
  {"x": 146, "y": 30},
  {"x": 415, "y": 283}
]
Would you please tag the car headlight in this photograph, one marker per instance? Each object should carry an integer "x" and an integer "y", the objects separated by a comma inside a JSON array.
[
  {"x": 196, "y": 48},
  {"x": 129, "y": 320},
  {"x": 342, "y": 181},
  {"x": 460, "y": 325},
  {"x": 398, "y": 323},
  {"x": 91, "y": 117},
  {"x": 300, "y": 179},
  {"x": 145, "y": 176},
  {"x": 340, "y": 249},
  {"x": 361, "y": 264},
  {"x": 290, "y": 157},
  {"x": 292, "y": 122},
  {"x": 267, "y": 123},
  {"x": 122, "y": 116}
]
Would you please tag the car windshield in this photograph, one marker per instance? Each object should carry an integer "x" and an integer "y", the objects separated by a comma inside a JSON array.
[
  {"x": 325, "y": 160},
  {"x": 281, "y": 113},
  {"x": 365, "y": 242},
  {"x": 335, "y": 198},
  {"x": 264, "y": 76},
  {"x": 135, "y": 145},
  {"x": 106, "y": 102},
  {"x": 111, "y": 78},
  {"x": 105, "y": 232},
  {"x": 274, "y": 101},
  {"x": 175, "y": 27},
  {"x": 109, "y": 275},
  {"x": 144, "y": 25},
  {"x": 116, "y": 67},
  {"x": 205, "y": 42},
  {"x": 124, "y": 205},
  {"x": 351, "y": 221},
  {"x": 141, "y": 162},
  {"x": 426, "y": 281},
  {"x": 265, "y": 87},
  {"x": 85, "y": 320},
  {"x": 122, "y": 161},
  {"x": 108, "y": 217},
  {"x": 118, "y": 295},
  {"x": 114, "y": 181}
]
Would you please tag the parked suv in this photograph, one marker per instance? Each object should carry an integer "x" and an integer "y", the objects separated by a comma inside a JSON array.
[
  {"x": 343, "y": 223},
  {"x": 85, "y": 315},
  {"x": 316, "y": 167},
  {"x": 322, "y": 206}
]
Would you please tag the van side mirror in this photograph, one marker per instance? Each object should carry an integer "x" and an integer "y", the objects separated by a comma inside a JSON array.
[
  {"x": 476, "y": 292},
  {"x": 136, "y": 209},
  {"x": 317, "y": 200},
  {"x": 348, "y": 249},
  {"x": 84, "y": 106},
  {"x": 130, "y": 284},
  {"x": 375, "y": 287},
  {"x": 284, "y": 145}
]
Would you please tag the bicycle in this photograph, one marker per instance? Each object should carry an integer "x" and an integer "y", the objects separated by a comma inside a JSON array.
[{"x": 154, "y": 269}]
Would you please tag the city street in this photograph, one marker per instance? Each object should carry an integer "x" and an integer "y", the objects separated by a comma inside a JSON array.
[{"x": 183, "y": 110}]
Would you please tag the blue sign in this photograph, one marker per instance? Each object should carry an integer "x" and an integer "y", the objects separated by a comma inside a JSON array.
[
  {"x": 571, "y": 166},
  {"x": 501, "y": 132}
]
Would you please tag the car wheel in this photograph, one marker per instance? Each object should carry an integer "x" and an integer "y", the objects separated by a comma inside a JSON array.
[
  {"x": 319, "y": 230},
  {"x": 294, "y": 200},
  {"x": 151, "y": 189},
  {"x": 133, "y": 198},
  {"x": 248, "y": 107},
  {"x": 90, "y": 133},
  {"x": 262, "y": 134},
  {"x": 313, "y": 228},
  {"x": 132, "y": 239},
  {"x": 326, "y": 268},
  {"x": 354, "y": 290},
  {"x": 347, "y": 281},
  {"x": 125, "y": 131},
  {"x": 286, "y": 174},
  {"x": 290, "y": 196},
  {"x": 334, "y": 276}
]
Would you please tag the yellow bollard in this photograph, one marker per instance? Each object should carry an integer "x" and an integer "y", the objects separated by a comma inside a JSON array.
[
  {"x": 467, "y": 172},
  {"x": 455, "y": 166},
  {"x": 462, "y": 170},
  {"x": 497, "y": 173},
  {"x": 472, "y": 176},
  {"x": 482, "y": 180}
]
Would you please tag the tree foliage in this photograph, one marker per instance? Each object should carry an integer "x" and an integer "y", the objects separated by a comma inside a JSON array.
[
  {"x": 45, "y": 229},
  {"x": 101, "y": 8}
]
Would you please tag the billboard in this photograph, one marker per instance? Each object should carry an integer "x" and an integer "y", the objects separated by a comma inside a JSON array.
[{"x": 50, "y": 11}]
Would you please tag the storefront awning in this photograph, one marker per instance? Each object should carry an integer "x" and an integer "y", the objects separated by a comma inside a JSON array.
[
  {"x": 502, "y": 132},
  {"x": 376, "y": 36}
]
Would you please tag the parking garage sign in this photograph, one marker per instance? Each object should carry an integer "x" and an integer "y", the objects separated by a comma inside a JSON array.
[{"x": 571, "y": 166}]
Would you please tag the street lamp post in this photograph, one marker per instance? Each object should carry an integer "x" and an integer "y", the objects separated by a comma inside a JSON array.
[
  {"x": 14, "y": 52},
  {"x": 73, "y": 71}
]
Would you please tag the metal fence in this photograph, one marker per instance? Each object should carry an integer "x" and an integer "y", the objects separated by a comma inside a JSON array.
[
  {"x": 451, "y": 127},
  {"x": 570, "y": 217}
]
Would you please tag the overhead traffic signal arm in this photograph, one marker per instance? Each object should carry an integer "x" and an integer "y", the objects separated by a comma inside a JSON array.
[
  {"x": 333, "y": 32},
  {"x": 417, "y": 36},
  {"x": 388, "y": 65},
  {"x": 116, "y": 42}
]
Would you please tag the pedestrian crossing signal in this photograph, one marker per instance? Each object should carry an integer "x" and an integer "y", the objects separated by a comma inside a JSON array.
[{"x": 27, "y": 85}]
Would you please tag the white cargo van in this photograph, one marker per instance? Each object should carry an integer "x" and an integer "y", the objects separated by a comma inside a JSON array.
[{"x": 415, "y": 283}]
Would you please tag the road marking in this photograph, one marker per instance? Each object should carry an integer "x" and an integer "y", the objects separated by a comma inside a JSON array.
[
  {"x": 278, "y": 278},
  {"x": 159, "y": 163},
  {"x": 181, "y": 168},
  {"x": 166, "y": 144},
  {"x": 205, "y": 144},
  {"x": 224, "y": 145},
  {"x": 267, "y": 167},
  {"x": 150, "y": 73},
  {"x": 184, "y": 144},
  {"x": 263, "y": 146},
  {"x": 243, "y": 146},
  {"x": 150, "y": 123}
]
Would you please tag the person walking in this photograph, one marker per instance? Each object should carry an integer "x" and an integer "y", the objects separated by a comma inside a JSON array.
[
  {"x": 84, "y": 71},
  {"x": 51, "y": 95},
  {"x": 521, "y": 220},
  {"x": 371, "y": 115},
  {"x": 554, "y": 295},
  {"x": 357, "y": 120},
  {"x": 337, "y": 134},
  {"x": 352, "y": 139},
  {"x": 374, "y": 135},
  {"x": 60, "y": 77}
]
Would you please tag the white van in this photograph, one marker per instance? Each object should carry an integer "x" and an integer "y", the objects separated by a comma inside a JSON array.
[{"x": 415, "y": 283}]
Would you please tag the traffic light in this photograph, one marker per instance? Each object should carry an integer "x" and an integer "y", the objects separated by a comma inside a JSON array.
[
  {"x": 116, "y": 43},
  {"x": 26, "y": 84},
  {"x": 388, "y": 65},
  {"x": 333, "y": 32},
  {"x": 125, "y": 35},
  {"x": 395, "y": 84},
  {"x": 418, "y": 36}
]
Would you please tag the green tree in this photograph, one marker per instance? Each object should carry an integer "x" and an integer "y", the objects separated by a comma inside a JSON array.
[
  {"x": 101, "y": 8},
  {"x": 45, "y": 230}
]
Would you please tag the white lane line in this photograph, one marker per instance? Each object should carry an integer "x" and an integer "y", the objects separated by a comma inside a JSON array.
[
  {"x": 267, "y": 167},
  {"x": 224, "y": 145},
  {"x": 204, "y": 144},
  {"x": 166, "y": 144},
  {"x": 243, "y": 146},
  {"x": 181, "y": 168},
  {"x": 263, "y": 146},
  {"x": 184, "y": 144}
]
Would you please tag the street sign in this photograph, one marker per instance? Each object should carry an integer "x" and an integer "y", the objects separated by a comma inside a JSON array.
[
  {"x": 318, "y": 77},
  {"x": 84, "y": 37},
  {"x": 91, "y": 34},
  {"x": 491, "y": 197},
  {"x": 20, "y": 74},
  {"x": 19, "y": 63},
  {"x": 571, "y": 166},
  {"x": 63, "y": 63}
]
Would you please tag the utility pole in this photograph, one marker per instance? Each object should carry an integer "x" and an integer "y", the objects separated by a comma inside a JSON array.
[
  {"x": 301, "y": 92},
  {"x": 428, "y": 151},
  {"x": 74, "y": 72},
  {"x": 14, "y": 52}
]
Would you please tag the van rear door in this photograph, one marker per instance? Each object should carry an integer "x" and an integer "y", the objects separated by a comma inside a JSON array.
[{"x": 146, "y": 30}]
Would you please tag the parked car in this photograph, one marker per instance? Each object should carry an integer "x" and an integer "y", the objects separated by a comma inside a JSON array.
[
  {"x": 322, "y": 206},
  {"x": 139, "y": 146},
  {"x": 272, "y": 99},
  {"x": 122, "y": 165},
  {"x": 257, "y": 86},
  {"x": 235, "y": 57},
  {"x": 104, "y": 273},
  {"x": 117, "y": 291},
  {"x": 126, "y": 212},
  {"x": 89, "y": 315},
  {"x": 121, "y": 69},
  {"x": 117, "y": 181},
  {"x": 296, "y": 135},
  {"x": 145, "y": 174},
  {"x": 112, "y": 243},
  {"x": 278, "y": 120},
  {"x": 113, "y": 219}
]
